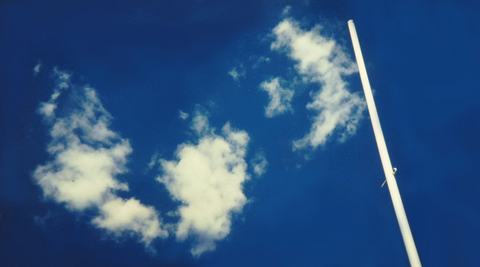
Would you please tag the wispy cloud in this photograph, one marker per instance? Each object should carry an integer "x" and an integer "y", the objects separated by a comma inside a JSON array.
[
  {"x": 237, "y": 72},
  {"x": 259, "y": 164},
  {"x": 207, "y": 179},
  {"x": 37, "y": 68},
  {"x": 259, "y": 60},
  {"x": 42, "y": 220},
  {"x": 47, "y": 109},
  {"x": 321, "y": 60},
  {"x": 86, "y": 158},
  {"x": 200, "y": 123},
  {"x": 280, "y": 98},
  {"x": 183, "y": 115},
  {"x": 153, "y": 160}
]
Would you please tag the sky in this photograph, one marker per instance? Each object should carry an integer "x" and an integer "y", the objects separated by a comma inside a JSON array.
[{"x": 236, "y": 133}]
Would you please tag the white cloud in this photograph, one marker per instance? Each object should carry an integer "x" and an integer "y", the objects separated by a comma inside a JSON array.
[
  {"x": 321, "y": 60},
  {"x": 47, "y": 109},
  {"x": 80, "y": 175},
  {"x": 286, "y": 10},
  {"x": 183, "y": 115},
  {"x": 207, "y": 179},
  {"x": 259, "y": 163},
  {"x": 119, "y": 215},
  {"x": 280, "y": 98},
  {"x": 87, "y": 156},
  {"x": 236, "y": 74}
]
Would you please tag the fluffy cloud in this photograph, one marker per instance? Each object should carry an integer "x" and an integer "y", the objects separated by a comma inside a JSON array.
[
  {"x": 321, "y": 60},
  {"x": 207, "y": 179},
  {"x": 86, "y": 158},
  {"x": 280, "y": 98},
  {"x": 119, "y": 215}
]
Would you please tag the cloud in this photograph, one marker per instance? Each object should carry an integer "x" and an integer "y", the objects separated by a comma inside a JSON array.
[
  {"x": 47, "y": 109},
  {"x": 236, "y": 74},
  {"x": 183, "y": 115},
  {"x": 37, "y": 68},
  {"x": 42, "y": 221},
  {"x": 259, "y": 163},
  {"x": 259, "y": 61},
  {"x": 286, "y": 10},
  {"x": 200, "y": 122},
  {"x": 207, "y": 179},
  {"x": 153, "y": 160},
  {"x": 86, "y": 158},
  {"x": 280, "y": 98},
  {"x": 321, "y": 60},
  {"x": 119, "y": 215}
]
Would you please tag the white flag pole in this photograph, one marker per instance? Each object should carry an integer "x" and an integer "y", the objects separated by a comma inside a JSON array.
[{"x": 382, "y": 149}]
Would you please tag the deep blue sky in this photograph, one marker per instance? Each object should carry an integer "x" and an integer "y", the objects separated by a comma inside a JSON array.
[{"x": 147, "y": 60}]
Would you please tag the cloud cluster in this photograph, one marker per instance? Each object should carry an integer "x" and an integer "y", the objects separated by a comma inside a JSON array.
[
  {"x": 280, "y": 98},
  {"x": 86, "y": 158},
  {"x": 321, "y": 60},
  {"x": 207, "y": 179}
]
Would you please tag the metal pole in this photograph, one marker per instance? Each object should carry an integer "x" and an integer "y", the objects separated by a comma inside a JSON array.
[{"x": 382, "y": 149}]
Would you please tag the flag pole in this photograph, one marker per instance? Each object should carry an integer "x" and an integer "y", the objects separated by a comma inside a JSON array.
[{"x": 385, "y": 158}]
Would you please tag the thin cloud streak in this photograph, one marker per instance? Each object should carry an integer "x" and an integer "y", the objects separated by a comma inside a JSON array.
[{"x": 259, "y": 60}]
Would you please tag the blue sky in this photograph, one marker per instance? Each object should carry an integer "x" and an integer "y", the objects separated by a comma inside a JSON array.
[{"x": 235, "y": 133}]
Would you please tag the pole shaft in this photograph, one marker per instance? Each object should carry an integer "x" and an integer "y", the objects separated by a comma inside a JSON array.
[{"x": 385, "y": 158}]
